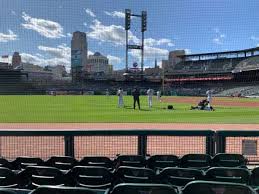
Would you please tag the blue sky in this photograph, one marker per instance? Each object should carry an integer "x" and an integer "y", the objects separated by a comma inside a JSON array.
[{"x": 41, "y": 29}]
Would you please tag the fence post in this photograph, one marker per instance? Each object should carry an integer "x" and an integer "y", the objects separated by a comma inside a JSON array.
[
  {"x": 69, "y": 145},
  {"x": 210, "y": 144},
  {"x": 142, "y": 145},
  {"x": 220, "y": 142}
]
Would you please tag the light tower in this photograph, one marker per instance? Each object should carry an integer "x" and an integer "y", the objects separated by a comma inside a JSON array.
[{"x": 143, "y": 18}]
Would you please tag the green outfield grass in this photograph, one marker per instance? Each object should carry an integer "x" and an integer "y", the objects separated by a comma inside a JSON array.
[{"x": 50, "y": 109}]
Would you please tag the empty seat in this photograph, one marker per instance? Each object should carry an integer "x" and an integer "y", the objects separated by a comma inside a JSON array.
[
  {"x": 126, "y": 174},
  {"x": 179, "y": 176},
  {"x": 130, "y": 160},
  {"x": 5, "y": 163},
  {"x": 8, "y": 178},
  {"x": 229, "y": 160},
  {"x": 24, "y": 161},
  {"x": 95, "y": 177},
  {"x": 223, "y": 174},
  {"x": 62, "y": 162},
  {"x": 254, "y": 180},
  {"x": 211, "y": 187},
  {"x": 162, "y": 161},
  {"x": 65, "y": 190},
  {"x": 35, "y": 176},
  {"x": 131, "y": 188},
  {"x": 201, "y": 161},
  {"x": 96, "y": 161},
  {"x": 7, "y": 191}
]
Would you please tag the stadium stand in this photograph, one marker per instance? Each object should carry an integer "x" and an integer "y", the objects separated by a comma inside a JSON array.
[
  {"x": 227, "y": 174},
  {"x": 143, "y": 188},
  {"x": 158, "y": 162},
  {"x": 90, "y": 177},
  {"x": 179, "y": 176},
  {"x": 127, "y": 174},
  {"x": 96, "y": 161},
  {"x": 35, "y": 176},
  {"x": 204, "y": 168}
]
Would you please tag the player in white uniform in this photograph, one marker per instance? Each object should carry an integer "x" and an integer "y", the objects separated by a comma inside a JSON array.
[
  {"x": 120, "y": 99},
  {"x": 158, "y": 96},
  {"x": 209, "y": 97},
  {"x": 107, "y": 93},
  {"x": 149, "y": 97}
]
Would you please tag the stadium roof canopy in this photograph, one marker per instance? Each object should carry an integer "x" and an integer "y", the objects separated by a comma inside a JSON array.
[{"x": 226, "y": 54}]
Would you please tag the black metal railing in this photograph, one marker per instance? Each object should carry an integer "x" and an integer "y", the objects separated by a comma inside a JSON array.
[
  {"x": 109, "y": 143},
  {"x": 104, "y": 142}
]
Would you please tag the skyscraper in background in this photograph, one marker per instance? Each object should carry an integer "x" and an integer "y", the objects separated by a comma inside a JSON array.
[
  {"x": 16, "y": 60},
  {"x": 78, "y": 55}
]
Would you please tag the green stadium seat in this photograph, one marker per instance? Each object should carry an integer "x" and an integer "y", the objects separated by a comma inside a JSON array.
[
  {"x": 35, "y": 176},
  {"x": 96, "y": 161},
  {"x": 8, "y": 178},
  {"x": 200, "y": 161},
  {"x": 7, "y": 191},
  {"x": 228, "y": 174},
  {"x": 158, "y": 162},
  {"x": 94, "y": 177},
  {"x": 5, "y": 163},
  {"x": 65, "y": 190},
  {"x": 229, "y": 160},
  {"x": 126, "y": 174},
  {"x": 22, "y": 162},
  {"x": 179, "y": 176},
  {"x": 130, "y": 160},
  {"x": 254, "y": 180},
  {"x": 62, "y": 162},
  {"x": 131, "y": 188},
  {"x": 211, "y": 187}
]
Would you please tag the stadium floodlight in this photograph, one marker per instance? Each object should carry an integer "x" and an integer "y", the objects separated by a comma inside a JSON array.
[
  {"x": 127, "y": 19},
  {"x": 144, "y": 21}
]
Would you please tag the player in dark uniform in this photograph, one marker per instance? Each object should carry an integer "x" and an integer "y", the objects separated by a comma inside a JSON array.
[{"x": 136, "y": 95}]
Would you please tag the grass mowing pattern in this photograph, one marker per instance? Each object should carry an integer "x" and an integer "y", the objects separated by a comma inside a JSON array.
[{"x": 102, "y": 109}]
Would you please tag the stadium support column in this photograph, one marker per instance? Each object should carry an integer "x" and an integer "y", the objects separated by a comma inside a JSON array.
[
  {"x": 127, "y": 51},
  {"x": 142, "y": 55}
]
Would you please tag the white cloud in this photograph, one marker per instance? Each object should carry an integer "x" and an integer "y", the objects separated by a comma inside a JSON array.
[
  {"x": 115, "y": 14},
  {"x": 59, "y": 55},
  {"x": 90, "y": 13},
  {"x": 112, "y": 34},
  {"x": 150, "y": 53},
  {"x": 219, "y": 37},
  {"x": 114, "y": 60},
  {"x": 8, "y": 37},
  {"x": 46, "y": 28},
  {"x": 159, "y": 42},
  {"x": 85, "y": 24},
  {"x": 90, "y": 53},
  {"x": 69, "y": 35}
]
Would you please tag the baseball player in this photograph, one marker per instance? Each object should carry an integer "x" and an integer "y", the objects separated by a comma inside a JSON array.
[
  {"x": 158, "y": 96},
  {"x": 120, "y": 98},
  {"x": 209, "y": 97},
  {"x": 149, "y": 97}
]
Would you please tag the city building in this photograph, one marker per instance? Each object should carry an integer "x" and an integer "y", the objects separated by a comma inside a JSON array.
[
  {"x": 79, "y": 52},
  {"x": 58, "y": 71},
  {"x": 28, "y": 67},
  {"x": 16, "y": 60},
  {"x": 4, "y": 65},
  {"x": 97, "y": 63}
]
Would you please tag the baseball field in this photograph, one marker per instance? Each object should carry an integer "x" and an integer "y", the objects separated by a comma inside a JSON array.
[{"x": 103, "y": 109}]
